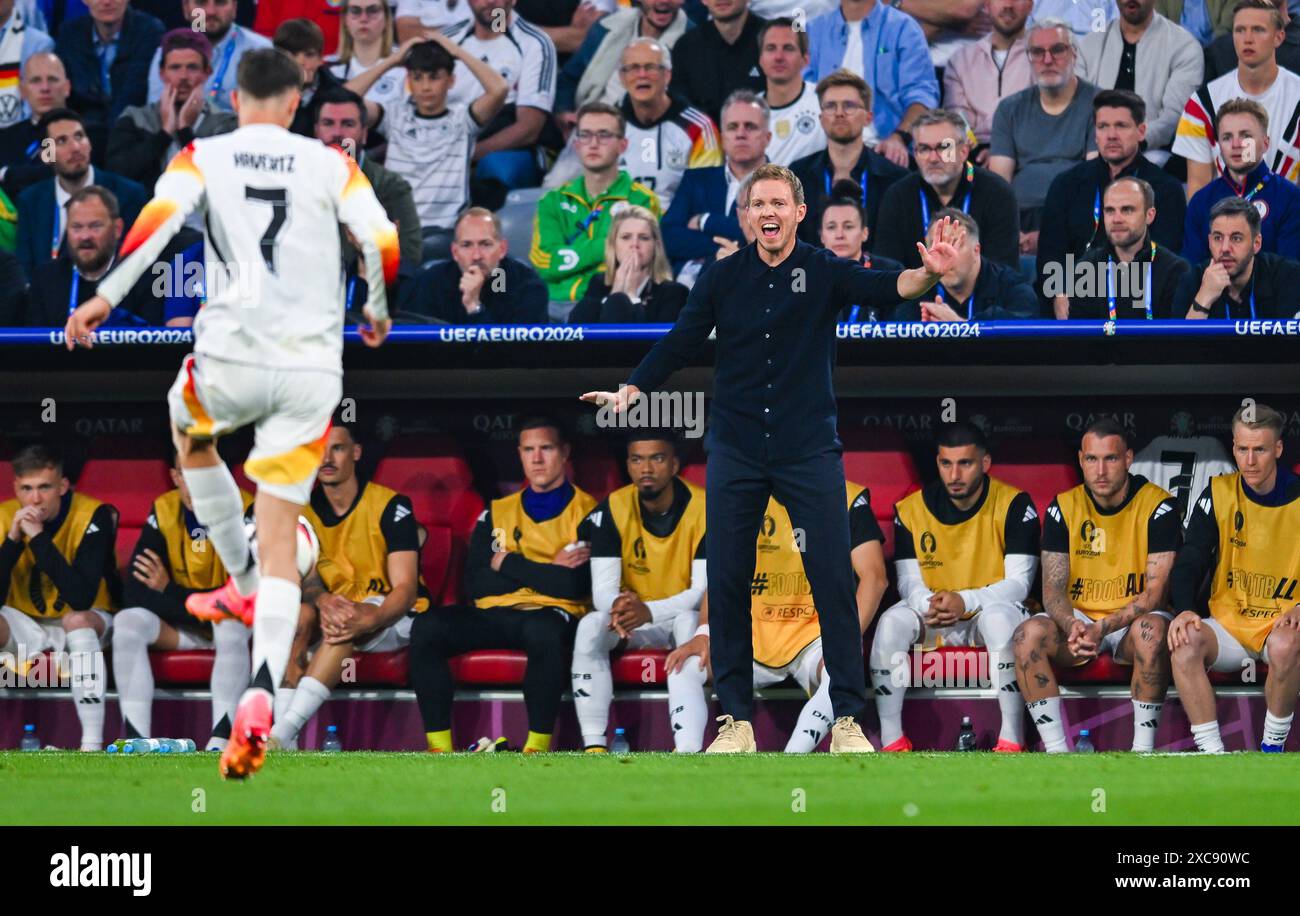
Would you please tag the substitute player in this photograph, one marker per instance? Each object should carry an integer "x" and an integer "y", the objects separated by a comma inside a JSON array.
[
  {"x": 268, "y": 346},
  {"x": 647, "y": 579},
  {"x": 966, "y": 550},
  {"x": 1108, "y": 548},
  {"x": 786, "y": 630},
  {"x": 1246, "y": 528}
]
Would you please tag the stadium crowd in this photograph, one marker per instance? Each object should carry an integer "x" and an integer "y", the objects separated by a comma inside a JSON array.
[{"x": 1120, "y": 160}]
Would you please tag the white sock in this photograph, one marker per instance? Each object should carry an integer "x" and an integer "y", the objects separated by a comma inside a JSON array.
[
  {"x": 274, "y": 623},
  {"x": 1206, "y": 736},
  {"x": 230, "y": 669},
  {"x": 997, "y": 624},
  {"x": 688, "y": 706},
  {"x": 219, "y": 508},
  {"x": 308, "y": 698},
  {"x": 1276, "y": 729},
  {"x": 592, "y": 682},
  {"x": 890, "y": 667},
  {"x": 280, "y": 730},
  {"x": 1146, "y": 721},
  {"x": 87, "y": 665},
  {"x": 1046, "y": 715},
  {"x": 815, "y": 721},
  {"x": 135, "y": 629}
]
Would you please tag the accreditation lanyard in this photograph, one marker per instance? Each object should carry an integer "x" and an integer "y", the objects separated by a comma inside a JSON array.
[
  {"x": 56, "y": 240},
  {"x": 586, "y": 223},
  {"x": 925, "y": 204},
  {"x": 1146, "y": 291},
  {"x": 76, "y": 286},
  {"x": 970, "y": 302},
  {"x": 862, "y": 181},
  {"x": 1258, "y": 187},
  {"x": 220, "y": 76},
  {"x": 352, "y": 292}
]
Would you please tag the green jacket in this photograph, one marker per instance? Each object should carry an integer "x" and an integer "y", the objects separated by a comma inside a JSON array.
[
  {"x": 1220, "y": 13},
  {"x": 569, "y": 233},
  {"x": 8, "y": 224}
]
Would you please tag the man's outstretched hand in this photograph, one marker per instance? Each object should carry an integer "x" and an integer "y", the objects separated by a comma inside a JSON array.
[
  {"x": 618, "y": 401},
  {"x": 941, "y": 257},
  {"x": 83, "y": 321}
]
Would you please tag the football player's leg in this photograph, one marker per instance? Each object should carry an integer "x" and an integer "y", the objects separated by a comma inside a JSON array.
[
  {"x": 688, "y": 704},
  {"x": 816, "y": 717},
  {"x": 1282, "y": 652},
  {"x": 996, "y": 625},
  {"x": 1207, "y": 646},
  {"x": 593, "y": 685},
  {"x": 547, "y": 639},
  {"x": 305, "y": 636},
  {"x": 85, "y": 631},
  {"x": 437, "y": 635},
  {"x": 231, "y": 672},
  {"x": 1036, "y": 643},
  {"x": 898, "y": 629},
  {"x": 1146, "y": 646},
  {"x": 135, "y": 629}
]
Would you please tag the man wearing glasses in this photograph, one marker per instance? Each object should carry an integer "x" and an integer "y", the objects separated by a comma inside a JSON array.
[
  {"x": 946, "y": 178},
  {"x": 216, "y": 20},
  {"x": 1041, "y": 131}
]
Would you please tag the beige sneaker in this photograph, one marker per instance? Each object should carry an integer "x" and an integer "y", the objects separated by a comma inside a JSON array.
[
  {"x": 733, "y": 738},
  {"x": 847, "y": 737}
]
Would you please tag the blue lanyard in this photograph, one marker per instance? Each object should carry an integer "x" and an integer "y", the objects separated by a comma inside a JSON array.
[
  {"x": 220, "y": 76},
  {"x": 76, "y": 285},
  {"x": 862, "y": 181},
  {"x": 56, "y": 242},
  {"x": 942, "y": 295},
  {"x": 1096, "y": 212},
  {"x": 925, "y": 210},
  {"x": 591, "y": 218},
  {"x": 1146, "y": 292},
  {"x": 352, "y": 291}
]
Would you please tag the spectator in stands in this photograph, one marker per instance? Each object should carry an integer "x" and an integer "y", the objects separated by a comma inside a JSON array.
[
  {"x": 592, "y": 74},
  {"x": 964, "y": 588},
  {"x": 717, "y": 58},
  {"x": 702, "y": 218},
  {"x": 1239, "y": 280},
  {"x": 977, "y": 289},
  {"x": 666, "y": 137},
  {"x": 366, "y": 39},
  {"x": 983, "y": 73},
  {"x": 845, "y": 101},
  {"x": 637, "y": 285},
  {"x": 272, "y": 14},
  {"x": 844, "y": 232},
  {"x": 647, "y": 580},
  {"x": 795, "y": 112},
  {"x": 1205, "y": 19},
  {"x": 430, "y": 140},
  {"x": 42, "y": 218},
  {"x": 479, "y": 284},
  {"x": 370, "y": 570},
  {"x": 171, "y": 561},
  {"x": 107, "y": 56},
  {"x": 56, "y": 566},
  {"x": 146, "y": 137},
  {"x": 529, "y": 590},
  {"x": 13, "y": 291},
  {"x": 947, "y": 25},
  {"x": 1074, "y": 198},
  {"x": 216, "y": 20},
  {"x": 1171, "y": 65},
  {"x": 1082, "y": 17},
  {"x": 94, "y": 233},
  {"x": 1130, "y": 275},
  {"x": 340, "y": 121},
  {"x": 887, "y": 49},
  {"x": 1257, "y": 32},
  {"x": 1221, "y": 55},
  {"x": 947, "y": 178},
  {"x": 525, "y": 55},
  {"x": 1242, "y": 131},
  {"x": 302, "y": 40},
  {"x": 415, "y": 17},
  {"x": 18, "y": 42},
  {"x": 567, "y": 22},
  {"x": 1041, "y": 131},
  {"x": 572, "y": 221},
  {"x": 45, "y": 87},
  {"x": 1238, "y": 626}
]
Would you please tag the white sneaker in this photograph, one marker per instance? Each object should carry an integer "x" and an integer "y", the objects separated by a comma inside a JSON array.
[
  {"x": 847, "y": 737},
  {"x": 733, "y": 738}
]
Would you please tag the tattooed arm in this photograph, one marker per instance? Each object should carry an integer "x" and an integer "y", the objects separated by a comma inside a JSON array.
[
  {"x": 1056, "y": 577},
  {"x": 1153, "y": 598}
]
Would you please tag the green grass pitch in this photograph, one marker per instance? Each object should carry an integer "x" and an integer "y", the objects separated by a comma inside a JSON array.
[{"x": 388, "y": 788}]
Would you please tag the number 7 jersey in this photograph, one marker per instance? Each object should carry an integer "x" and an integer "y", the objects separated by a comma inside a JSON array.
[{"x": 273, "y": 280}]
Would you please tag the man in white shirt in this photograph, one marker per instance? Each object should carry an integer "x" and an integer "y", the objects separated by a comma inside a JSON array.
[{"x": 795, "y": 111}]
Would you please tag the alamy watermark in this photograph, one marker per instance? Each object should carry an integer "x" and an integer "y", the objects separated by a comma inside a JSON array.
[{"x": 683, "y": 410}]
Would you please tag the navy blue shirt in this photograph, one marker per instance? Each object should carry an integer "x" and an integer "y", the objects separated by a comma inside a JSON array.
[
  {"x": 772, "y": 394},
  {"x": 999, "y": 293},
  {"x": 1277, "y": 199}
]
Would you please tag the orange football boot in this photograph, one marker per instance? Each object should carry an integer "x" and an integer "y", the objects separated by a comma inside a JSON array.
[
  {"x": 246, "y": 750},
  {"x": 1007, "y": 747},
  {"x": 901, "y": 746},
  {"x": 225, "y": 603}
]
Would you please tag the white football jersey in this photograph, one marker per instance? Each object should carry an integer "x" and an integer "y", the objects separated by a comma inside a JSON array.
[
  {"x": 1183, "y": 465},
  {"x": 797, "y": 128},
  {"x": 272, "y": 202}
]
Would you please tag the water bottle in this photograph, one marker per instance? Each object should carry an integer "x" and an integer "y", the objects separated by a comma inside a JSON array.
[
  {"x": 620, "y": 745},
  {"x": 966, "y": 738},
  {"x": 1083, "y": 744},
  {"x": 332, "y": 742},
  {"x": 175, "y": 746},
  {"x": 116, "y": 747},
  {"x": 30, "y": 741},
  {"x": 141, "y": 746}
]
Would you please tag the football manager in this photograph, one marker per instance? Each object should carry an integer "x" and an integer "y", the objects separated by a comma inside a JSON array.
[{"x": 773, "y": 431}]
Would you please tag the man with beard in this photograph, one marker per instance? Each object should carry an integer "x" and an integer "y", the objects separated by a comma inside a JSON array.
[
  {"x": 94, "y": 231},
  {"x": 1239, "y": 281},
  {"x": 216, "y": 20},
  {"x": 45, "y": 87},
  {"x": 42, "y": 214},
  {"x": 983, "y": 73},
  {"x": 946, "y": 178},
  {"x": 146, "y": 137}
]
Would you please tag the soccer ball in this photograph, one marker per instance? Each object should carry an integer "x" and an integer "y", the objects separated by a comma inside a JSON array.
[{"x": 308, "y": 545}]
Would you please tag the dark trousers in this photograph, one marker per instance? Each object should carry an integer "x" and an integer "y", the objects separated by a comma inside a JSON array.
[
  {"x": 545, "y": 635},
  {"x": 812, "y": 492}
]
